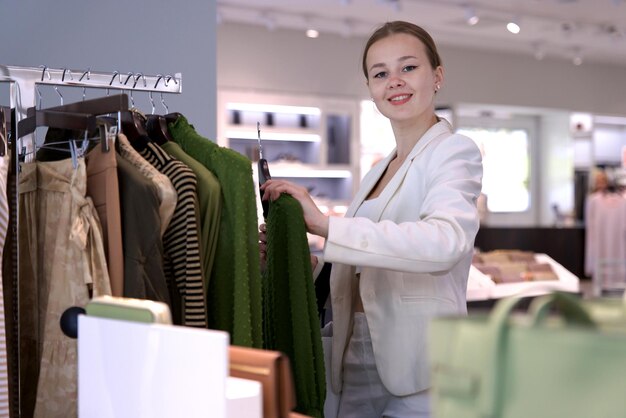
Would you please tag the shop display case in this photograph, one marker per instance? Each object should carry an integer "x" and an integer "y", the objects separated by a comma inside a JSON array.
[{"x": 482, "y": 286}]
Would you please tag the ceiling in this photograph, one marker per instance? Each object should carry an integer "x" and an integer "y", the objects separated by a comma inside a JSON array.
[{"x": 581, "y": 31}]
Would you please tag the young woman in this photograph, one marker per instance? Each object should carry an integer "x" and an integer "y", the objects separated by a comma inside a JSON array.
[{"x": 402, "y": 253}]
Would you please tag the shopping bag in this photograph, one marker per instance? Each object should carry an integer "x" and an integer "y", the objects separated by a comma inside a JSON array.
[{"x": 508, "y": 365}]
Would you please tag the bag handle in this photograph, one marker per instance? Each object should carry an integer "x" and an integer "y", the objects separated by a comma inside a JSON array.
[
  {"x": 571, "y": 310},
  {"x": 498, "y": 326}
]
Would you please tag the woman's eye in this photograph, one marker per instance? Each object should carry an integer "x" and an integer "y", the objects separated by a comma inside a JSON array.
[
  {"x": 380, "y": 74},
  {"x": 409, "y": 68}
]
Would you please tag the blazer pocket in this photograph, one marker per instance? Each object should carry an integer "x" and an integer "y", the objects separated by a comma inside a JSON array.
[{"x": 427, "y": 306}]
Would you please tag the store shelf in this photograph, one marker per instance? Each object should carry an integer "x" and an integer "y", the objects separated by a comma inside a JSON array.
[{"x": 311, "y": 141}]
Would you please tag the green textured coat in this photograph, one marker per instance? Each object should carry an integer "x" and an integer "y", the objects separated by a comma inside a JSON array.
[
  {"x": 234, "y": 293},
  {"x": 291, "y": 324}
]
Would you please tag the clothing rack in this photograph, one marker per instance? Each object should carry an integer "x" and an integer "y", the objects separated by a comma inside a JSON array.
[
  {"x": 24, "y": 81},
  {"x": 24, "y": 94}
]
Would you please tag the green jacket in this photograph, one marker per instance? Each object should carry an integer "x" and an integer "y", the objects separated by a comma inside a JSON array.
[
  {"x": 234, "y": 291},
  {"x": 291, "y": 322}
]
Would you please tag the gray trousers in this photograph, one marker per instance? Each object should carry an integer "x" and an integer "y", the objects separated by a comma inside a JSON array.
[{"x": 364, "y": 395}]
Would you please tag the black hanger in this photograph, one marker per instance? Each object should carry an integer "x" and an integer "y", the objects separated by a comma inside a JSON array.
[
  {"x": 54, "y": 119},
  {"x": 133, "y": 125},
  {"x": 172, "y": 117},
  {"x": 158, "y": 130},
  {"x": 99, "y": 106}
]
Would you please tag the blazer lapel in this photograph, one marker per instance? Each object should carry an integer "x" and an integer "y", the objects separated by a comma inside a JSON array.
[{"x": 438, "y": 129}]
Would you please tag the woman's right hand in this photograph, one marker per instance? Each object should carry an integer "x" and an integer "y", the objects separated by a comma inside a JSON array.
[{"x": 316, "y": 222}]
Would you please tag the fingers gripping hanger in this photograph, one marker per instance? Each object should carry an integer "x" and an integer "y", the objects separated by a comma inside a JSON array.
[{"x": 264, "y": 171}]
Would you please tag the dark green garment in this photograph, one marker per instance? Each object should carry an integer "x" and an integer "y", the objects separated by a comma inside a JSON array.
[
  {"x": 144, "y": 277},
  {"x": 234, "y": 292},
  {"x": 291, "y": 322},
  {"x": 210, "y": 205}
]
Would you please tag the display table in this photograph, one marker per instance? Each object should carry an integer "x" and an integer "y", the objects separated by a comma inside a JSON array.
[
  {"x": 133, "y": 370},
  {"x": 565, "y": 245},
  {"x": 480, "y": 286}
]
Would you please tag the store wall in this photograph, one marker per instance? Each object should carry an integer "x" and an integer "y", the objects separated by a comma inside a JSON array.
[
  {"x": 556, "y": 157},
  {"x": 152, "y": 37},
  {"x": 286, "y": 61}
]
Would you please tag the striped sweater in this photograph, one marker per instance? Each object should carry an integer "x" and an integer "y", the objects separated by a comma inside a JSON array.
[{"x": 181, "y": 242}]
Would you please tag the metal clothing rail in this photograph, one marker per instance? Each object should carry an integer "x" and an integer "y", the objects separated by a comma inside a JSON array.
[
  {"x": 24, "y": 94},
  {"x": 169, "y": 83},
  {"x": 24, "y": 81}
]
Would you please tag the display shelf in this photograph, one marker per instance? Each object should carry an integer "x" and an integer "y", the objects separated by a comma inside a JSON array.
[{"x": 311, "y": 141}]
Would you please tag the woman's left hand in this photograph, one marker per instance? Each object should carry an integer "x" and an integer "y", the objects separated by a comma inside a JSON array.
[{"x": 316, "y": 222}]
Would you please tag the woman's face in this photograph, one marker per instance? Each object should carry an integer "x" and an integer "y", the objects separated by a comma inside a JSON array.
[{"x": 400, "y": 78}]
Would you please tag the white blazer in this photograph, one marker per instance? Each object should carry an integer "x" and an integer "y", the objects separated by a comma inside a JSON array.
[{"x": 415, "y": 256}]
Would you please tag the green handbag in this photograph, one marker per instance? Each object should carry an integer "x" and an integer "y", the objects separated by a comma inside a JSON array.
[{"x": 532, "y": 365}]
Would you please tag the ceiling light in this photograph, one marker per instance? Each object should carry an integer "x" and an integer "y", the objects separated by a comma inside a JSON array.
[
  {"x": 471, "y": 18},
  {"x": 513, "y": 27},
  {"x": 312, "y": 33}
]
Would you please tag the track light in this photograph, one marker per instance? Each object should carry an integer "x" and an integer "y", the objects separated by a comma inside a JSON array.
[
  {"x": 471, "y": 18},
  {"x": 312, "y": 33},
  {"x": 513, "y": 26}
]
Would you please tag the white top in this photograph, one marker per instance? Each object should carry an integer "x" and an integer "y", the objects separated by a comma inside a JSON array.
[{"x": 366, "y": 210}]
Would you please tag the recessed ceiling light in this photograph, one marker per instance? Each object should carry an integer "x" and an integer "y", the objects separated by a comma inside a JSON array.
[
  {"x": 513, "y": 27},
  {"x": 312, "y": 33},
  {"x": 471, "y": 18}
]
